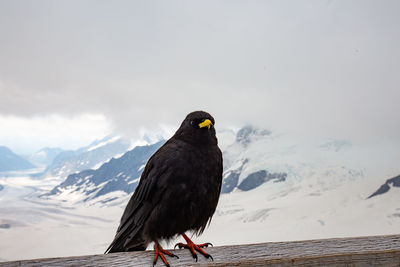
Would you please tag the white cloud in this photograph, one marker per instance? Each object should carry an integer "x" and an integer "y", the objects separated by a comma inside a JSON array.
[
  {"x": 315, "y": 67},
  {"x": 26, "y": 135}
]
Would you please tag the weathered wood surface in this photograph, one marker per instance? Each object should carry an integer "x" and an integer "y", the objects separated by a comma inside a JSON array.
[{"x": 361, "y": 251}]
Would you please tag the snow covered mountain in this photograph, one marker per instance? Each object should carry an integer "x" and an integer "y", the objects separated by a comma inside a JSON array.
[
  {"x": 90, "y": 157},
  {"x": 258, "y": 156},
  {"x": 105, "y": 183},
  {"x": 235, "y": 163},
  {"x": 253, "y": 158},
  {"x": 9, "y": 161}
]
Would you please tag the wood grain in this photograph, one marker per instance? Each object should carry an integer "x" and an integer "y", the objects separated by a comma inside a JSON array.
[{"x": 360, "y": 251}]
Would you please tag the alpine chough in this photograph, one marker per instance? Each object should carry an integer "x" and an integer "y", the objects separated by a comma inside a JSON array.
[{"x": 178, "y": 191}]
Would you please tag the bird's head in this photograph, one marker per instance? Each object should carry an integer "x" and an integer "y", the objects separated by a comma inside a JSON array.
[{"x": 197, "y": 128}]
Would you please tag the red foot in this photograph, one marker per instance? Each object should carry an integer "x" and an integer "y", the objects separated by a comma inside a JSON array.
[
  {"x": 159, "y": 251},
  {"x": 193, "y": 247}
]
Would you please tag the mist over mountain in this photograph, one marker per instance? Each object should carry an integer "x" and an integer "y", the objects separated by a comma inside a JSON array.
[
  {"x": 9, "y": 161},
  {"x": 44, "y": 156},
  {"x": 89, "y": 157}
]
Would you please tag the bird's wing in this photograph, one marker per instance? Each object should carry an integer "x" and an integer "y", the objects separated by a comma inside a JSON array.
[{"x": 142, "y": 201}]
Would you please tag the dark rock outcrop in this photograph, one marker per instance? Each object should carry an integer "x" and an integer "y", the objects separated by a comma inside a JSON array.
[
  {"x": 395, "y": 181},
  {"x": 256, "y": 179}
]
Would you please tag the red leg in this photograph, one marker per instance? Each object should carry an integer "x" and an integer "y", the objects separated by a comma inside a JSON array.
[
  {"x": 159, "y": 251},
  {"x": 193, "y": 247}
]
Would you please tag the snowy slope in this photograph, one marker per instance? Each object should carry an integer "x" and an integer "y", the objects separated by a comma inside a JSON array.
[
  {"x": 32, "y": 227},
  {"x": 304, "y": 212}
]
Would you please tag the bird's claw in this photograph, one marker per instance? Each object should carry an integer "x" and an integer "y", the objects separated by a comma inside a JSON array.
[
  {"x": 159, "y": 252},
  {"x": 193, "y": 247},
  {"x": 209, "y": 256},
  {"x": 205, "y": 245},
  {"x": 179, "y": 245}
]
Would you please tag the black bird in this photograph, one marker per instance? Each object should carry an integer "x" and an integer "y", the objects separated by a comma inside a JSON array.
[{"x": 178, "y": 191}]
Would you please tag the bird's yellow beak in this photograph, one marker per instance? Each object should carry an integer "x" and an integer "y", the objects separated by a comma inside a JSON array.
[{"x": 206, "y": 123}]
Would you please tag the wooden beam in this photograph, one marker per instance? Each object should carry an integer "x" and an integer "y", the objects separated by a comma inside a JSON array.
[{"x": 360, "y": 251}]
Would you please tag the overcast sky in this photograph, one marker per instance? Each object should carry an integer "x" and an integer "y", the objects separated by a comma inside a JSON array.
[{"x": 78, "y": 70}]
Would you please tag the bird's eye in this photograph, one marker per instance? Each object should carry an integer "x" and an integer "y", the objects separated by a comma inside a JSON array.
[{"x": 194, "y": 123}]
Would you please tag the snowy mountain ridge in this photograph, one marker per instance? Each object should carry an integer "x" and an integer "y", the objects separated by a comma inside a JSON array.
[
  {"x": 255, "y": 157},
  {"x": 117, "y": 175}
]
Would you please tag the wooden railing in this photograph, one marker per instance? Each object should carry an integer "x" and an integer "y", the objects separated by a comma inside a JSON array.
[{"x": 360, "y": 251}]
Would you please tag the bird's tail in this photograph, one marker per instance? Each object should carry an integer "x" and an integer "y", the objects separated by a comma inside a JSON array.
[{"x": 119, "y": 245}]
